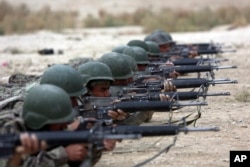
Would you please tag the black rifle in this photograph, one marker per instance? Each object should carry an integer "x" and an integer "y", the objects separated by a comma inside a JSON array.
[
  {"x": 100, "y": 111},
  {"x": 186, "y": 61},
  {"x": 165, "y": 71},
  {"x": 8, "y": 142},
  {"x": 185, "y": 51},
  {"x": 143, "y": 95},
  {"x": 203, "y": 46},
  {"x": 179, "y": 83}
]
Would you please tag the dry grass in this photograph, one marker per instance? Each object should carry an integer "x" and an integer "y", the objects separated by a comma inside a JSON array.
[{"x": 20, "y": 19}]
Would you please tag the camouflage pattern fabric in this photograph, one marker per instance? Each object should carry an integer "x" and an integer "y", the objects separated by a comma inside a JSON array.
[
  {"x": 10, "y": 122},
  {"x": 14, "y": 91}
]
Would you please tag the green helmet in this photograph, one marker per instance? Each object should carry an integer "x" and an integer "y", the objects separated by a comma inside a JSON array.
[
  {"x": 138, "y": 43},
  {"x": 140, "y": 56},
  {"x": 153, "y": 48},
  {"x": 160, "y": 38},
  {"x": 95, "y": 71},
  {"x": 132, "y": 62},
  {"x": 118, "y": 64},
  {"x": 65, "y": 77},
  {"x": 158, "y": 31},
  {"x": 120, "y": 48},
  {"x": 47, "y": 104}
]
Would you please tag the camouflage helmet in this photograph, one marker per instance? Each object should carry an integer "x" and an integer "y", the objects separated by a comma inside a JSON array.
[
  {"x": 138, "y": 43},
  {"x": 153, "y": 48},
  {"x": 65, "y": 77},
  {"x": 120, "y": 48},
  {"x": 47, "y": 104},
  {"x": 140, "y": 56},
  {"x": 95, "y": 71},
  {"x": 118, "y": 64}
]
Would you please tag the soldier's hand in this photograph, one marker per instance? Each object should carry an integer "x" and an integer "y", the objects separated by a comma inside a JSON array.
[
  {"x": 164, "y": 97},
  {"x": 168, "y": 86},
  {"x": 74, "y": 125},
  {"x": 118, "y": 115},
  {"x": 30, "y": 144},
  {"x": 193, "y": 53},
  {"x": 174, "y": 74},
  {"x": 76, "y": 152},
  {"x": 109, "y": 144}
]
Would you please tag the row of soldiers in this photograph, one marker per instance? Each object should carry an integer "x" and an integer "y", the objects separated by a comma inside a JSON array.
[{"x": 78, "y": 97}]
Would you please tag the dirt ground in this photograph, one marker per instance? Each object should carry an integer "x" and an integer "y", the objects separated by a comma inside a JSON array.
[{"x": 193, "y": 149}]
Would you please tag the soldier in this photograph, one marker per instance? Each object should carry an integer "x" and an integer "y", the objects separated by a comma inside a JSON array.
[
  {"x": 132, "y": 62},
  {"x": 71, "y": 81},
  {"x": 46, "y": 108},
  {"x": 123, "y": 76},
  {"x": 97, "y": 77},
  {"x": 154, "y": 53},
  {"x": 140, "y": 56},
  {"x": 167, "y": 45}
]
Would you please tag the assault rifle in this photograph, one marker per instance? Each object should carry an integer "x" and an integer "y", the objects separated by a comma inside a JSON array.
[
  {"x": 204, "y": 46},
  {"x": 186, "y": 61},
  {"x": 185, "y": 51},
  {"x": 143, "y": 95},
  {"x": 179, "y": 83},
  {"x": 8, "y": 142},
  {"x": 165, "y": 71},
  {"x": 100, "y": 110}
]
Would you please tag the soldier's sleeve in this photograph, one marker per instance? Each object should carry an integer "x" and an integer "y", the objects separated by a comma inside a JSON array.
[
  {"x": 136, "y": 118},
  {"x": 59, "y": 156},
  {"x": 46, "y": 159}
]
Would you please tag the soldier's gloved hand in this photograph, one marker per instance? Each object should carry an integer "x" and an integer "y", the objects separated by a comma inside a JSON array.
[
  {"x": 109, "y": 144},
  {"x": 164, "y": 97},
  {"x": 76, "y": 152},
  {"x": 168, "y": 86},
  {"x": 118, "y": 115}
]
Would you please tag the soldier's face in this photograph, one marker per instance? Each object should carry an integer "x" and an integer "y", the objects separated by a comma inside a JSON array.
[
  {"x": 58, "y": 127},
  {"x": 141, "y": 67},
  {"x": 165, "y": 47},
  {"x": 123, "y": 81},
  {"x": 101, "y": 90}
]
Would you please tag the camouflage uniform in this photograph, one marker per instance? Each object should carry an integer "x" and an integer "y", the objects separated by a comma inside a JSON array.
[
  {"x": 11, "y": 123},
  {"x": 70, "y": 80}
]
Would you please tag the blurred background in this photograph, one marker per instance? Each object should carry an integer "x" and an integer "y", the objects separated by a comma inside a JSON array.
[{"x": 22, "y": 16}]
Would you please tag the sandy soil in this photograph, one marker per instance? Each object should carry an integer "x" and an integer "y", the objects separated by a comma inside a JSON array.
[{"x": 193, "y": 149}]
